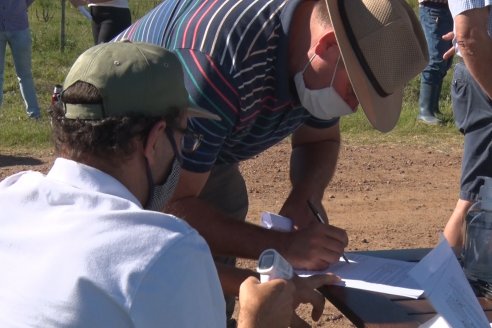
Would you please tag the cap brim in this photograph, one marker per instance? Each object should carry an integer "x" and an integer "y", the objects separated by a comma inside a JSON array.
[
  {"x": 201, "y": 113},
  {"x": 382, "y": 112}
]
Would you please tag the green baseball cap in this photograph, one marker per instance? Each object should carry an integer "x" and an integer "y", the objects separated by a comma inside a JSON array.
[{"x": 133, "y": 78}]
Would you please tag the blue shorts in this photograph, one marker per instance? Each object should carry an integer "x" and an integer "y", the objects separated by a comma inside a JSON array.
[{"x": 473, "y": 116}]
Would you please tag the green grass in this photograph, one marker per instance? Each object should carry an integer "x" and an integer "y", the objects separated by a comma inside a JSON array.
[{"x": 50, "y": 66}]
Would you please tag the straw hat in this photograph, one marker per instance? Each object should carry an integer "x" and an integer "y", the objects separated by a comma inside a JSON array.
[{"x": 383, "y": 47}]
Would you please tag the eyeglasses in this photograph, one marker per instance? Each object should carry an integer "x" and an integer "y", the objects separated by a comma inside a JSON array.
[{"x": 190, "y": 141}]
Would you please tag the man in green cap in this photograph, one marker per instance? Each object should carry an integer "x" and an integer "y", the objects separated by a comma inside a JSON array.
[{"x": 81, "y": 245}]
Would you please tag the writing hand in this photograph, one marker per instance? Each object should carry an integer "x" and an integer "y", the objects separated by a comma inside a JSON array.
[{"x": 315, "y": 247}]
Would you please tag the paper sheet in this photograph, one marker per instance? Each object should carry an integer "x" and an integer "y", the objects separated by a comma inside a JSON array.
[
  {"x": 437, "y": 322},
  {"x": 374, "y": 274},
  {"x": 446, "y": 287},
  {"x": 275, "y": 221},
  {"x": 364, "y": 272}
]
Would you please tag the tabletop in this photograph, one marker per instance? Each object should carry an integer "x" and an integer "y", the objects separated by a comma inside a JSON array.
[{"x": 373, "y": 310}]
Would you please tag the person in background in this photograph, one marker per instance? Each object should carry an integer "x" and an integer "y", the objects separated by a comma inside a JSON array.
[
  {"x": 270, "y": 70},
  {"x": 15, "y": 32},
  {"x": 471, "y": 92},
  {"x": 109, "y": 18},
  {"x": 84, "y": 246},
  {"x": 436, "y": 21}
]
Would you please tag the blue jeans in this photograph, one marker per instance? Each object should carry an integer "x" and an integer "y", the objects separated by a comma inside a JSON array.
[
  {"x": 436, "y": 21},
  {"x": 20, "y": 45}
]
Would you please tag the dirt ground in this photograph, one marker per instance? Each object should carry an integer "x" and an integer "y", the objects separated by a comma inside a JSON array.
[{"x": 386, "y": 196}]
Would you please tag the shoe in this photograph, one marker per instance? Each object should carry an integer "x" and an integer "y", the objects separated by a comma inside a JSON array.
[
  {"x": 428, "y": 119},
  {"x": 35, "y": 118},
  {"x": 428, "y": 104}
]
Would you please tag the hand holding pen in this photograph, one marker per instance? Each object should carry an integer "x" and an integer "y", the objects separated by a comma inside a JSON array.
[{"x": 320, "y": 219}]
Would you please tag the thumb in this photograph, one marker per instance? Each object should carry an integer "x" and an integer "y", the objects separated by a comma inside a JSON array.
[{"x": 297, "y": 322}]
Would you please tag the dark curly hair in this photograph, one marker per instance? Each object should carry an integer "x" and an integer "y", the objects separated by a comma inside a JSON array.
[{"x": 109, "y": 138}]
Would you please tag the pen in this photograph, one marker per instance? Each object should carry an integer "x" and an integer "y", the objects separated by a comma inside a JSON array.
[{"x": 320, "y": 219}]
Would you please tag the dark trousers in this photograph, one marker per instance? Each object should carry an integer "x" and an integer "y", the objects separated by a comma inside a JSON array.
[
  {"x": 226, "y": 190},
  {"x": 472, "y": 111},
  {"x": 108, "y": 22}
]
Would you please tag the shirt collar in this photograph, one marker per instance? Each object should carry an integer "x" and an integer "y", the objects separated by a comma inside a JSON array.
[{"x": 86, "y": 177}]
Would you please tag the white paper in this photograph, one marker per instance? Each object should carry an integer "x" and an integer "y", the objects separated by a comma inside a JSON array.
[
  {"x": 374, "y": 274},
  {"x": 448, "y": 290},
  {"x": 275, "y": 222},
  {"x": 364, "y": 272},
  {"x": 437, "y": 321}
]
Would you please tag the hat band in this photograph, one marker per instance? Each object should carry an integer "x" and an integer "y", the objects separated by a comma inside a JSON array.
[
  {"x": 84, "y": 111},
  {"x": 358, "y": 53}
]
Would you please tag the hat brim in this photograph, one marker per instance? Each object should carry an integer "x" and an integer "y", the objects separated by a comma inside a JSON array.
[
  {"x": 201, "y": 113},
  {"x": 382, "y": 112}
]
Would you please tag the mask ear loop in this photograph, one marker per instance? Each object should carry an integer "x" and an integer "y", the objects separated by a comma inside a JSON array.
[
  {"x": 307, "y": 64},
  {"x": 150, "y": 180},
  {"x": 335, "y": 72}
]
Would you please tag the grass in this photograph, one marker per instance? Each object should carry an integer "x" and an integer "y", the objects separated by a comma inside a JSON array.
[{"x": 50, "y": 65}]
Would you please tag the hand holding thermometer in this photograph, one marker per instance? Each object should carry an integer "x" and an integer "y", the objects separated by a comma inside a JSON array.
[{"x": 271, "y": 265}]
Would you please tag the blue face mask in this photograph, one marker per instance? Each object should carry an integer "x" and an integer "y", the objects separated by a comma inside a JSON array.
[{"x": 323, "y": 103}]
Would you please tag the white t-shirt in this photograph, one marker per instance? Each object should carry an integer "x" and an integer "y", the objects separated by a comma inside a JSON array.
[
  {"x": 78, "y": 250},
  {"x": 111, "y": 3}
]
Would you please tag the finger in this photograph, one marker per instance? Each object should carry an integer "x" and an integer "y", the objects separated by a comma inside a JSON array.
[
  {"x": 448, "y": 54},
  {"x": 307, "y": 293},
  {"x": 318, "y": 280},
  {"x": 251, "y": 280},
  {"x": 337, "y": 234},
  {"x": 316, "y": 299},
  {"x": 448, "y": 36},
  {"x": 297, "y": 322},
  {"x": 318, "y": 303}
]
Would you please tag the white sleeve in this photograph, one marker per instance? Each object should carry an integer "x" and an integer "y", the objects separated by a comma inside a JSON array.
[{"x": 181, "y": 289}]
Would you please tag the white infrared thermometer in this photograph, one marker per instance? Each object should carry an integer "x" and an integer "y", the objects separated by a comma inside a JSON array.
[{"x": 271, "y": 265}]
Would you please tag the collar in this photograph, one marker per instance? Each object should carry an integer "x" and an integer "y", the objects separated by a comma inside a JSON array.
[{"x": 86, "y": 177}]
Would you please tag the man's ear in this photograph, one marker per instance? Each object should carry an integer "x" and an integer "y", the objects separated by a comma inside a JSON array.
[
  {"x": 325, "y": 44},
  {"x": 155, "y": 135}
]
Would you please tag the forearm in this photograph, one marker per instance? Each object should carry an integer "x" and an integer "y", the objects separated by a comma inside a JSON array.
[
  {"x": 475, "y": 45},
  {"x": 454, "y": 227},
  {"x": 231, "y": 278},
  {"x": 226, "y": 236},
  {"x": 311, "y": 168}
]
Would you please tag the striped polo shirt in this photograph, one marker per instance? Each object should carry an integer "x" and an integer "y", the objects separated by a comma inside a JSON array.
[{"x": 234, "y": 56}]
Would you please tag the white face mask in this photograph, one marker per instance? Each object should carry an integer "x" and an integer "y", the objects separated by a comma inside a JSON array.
[{"x": 323, "y": 103}]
